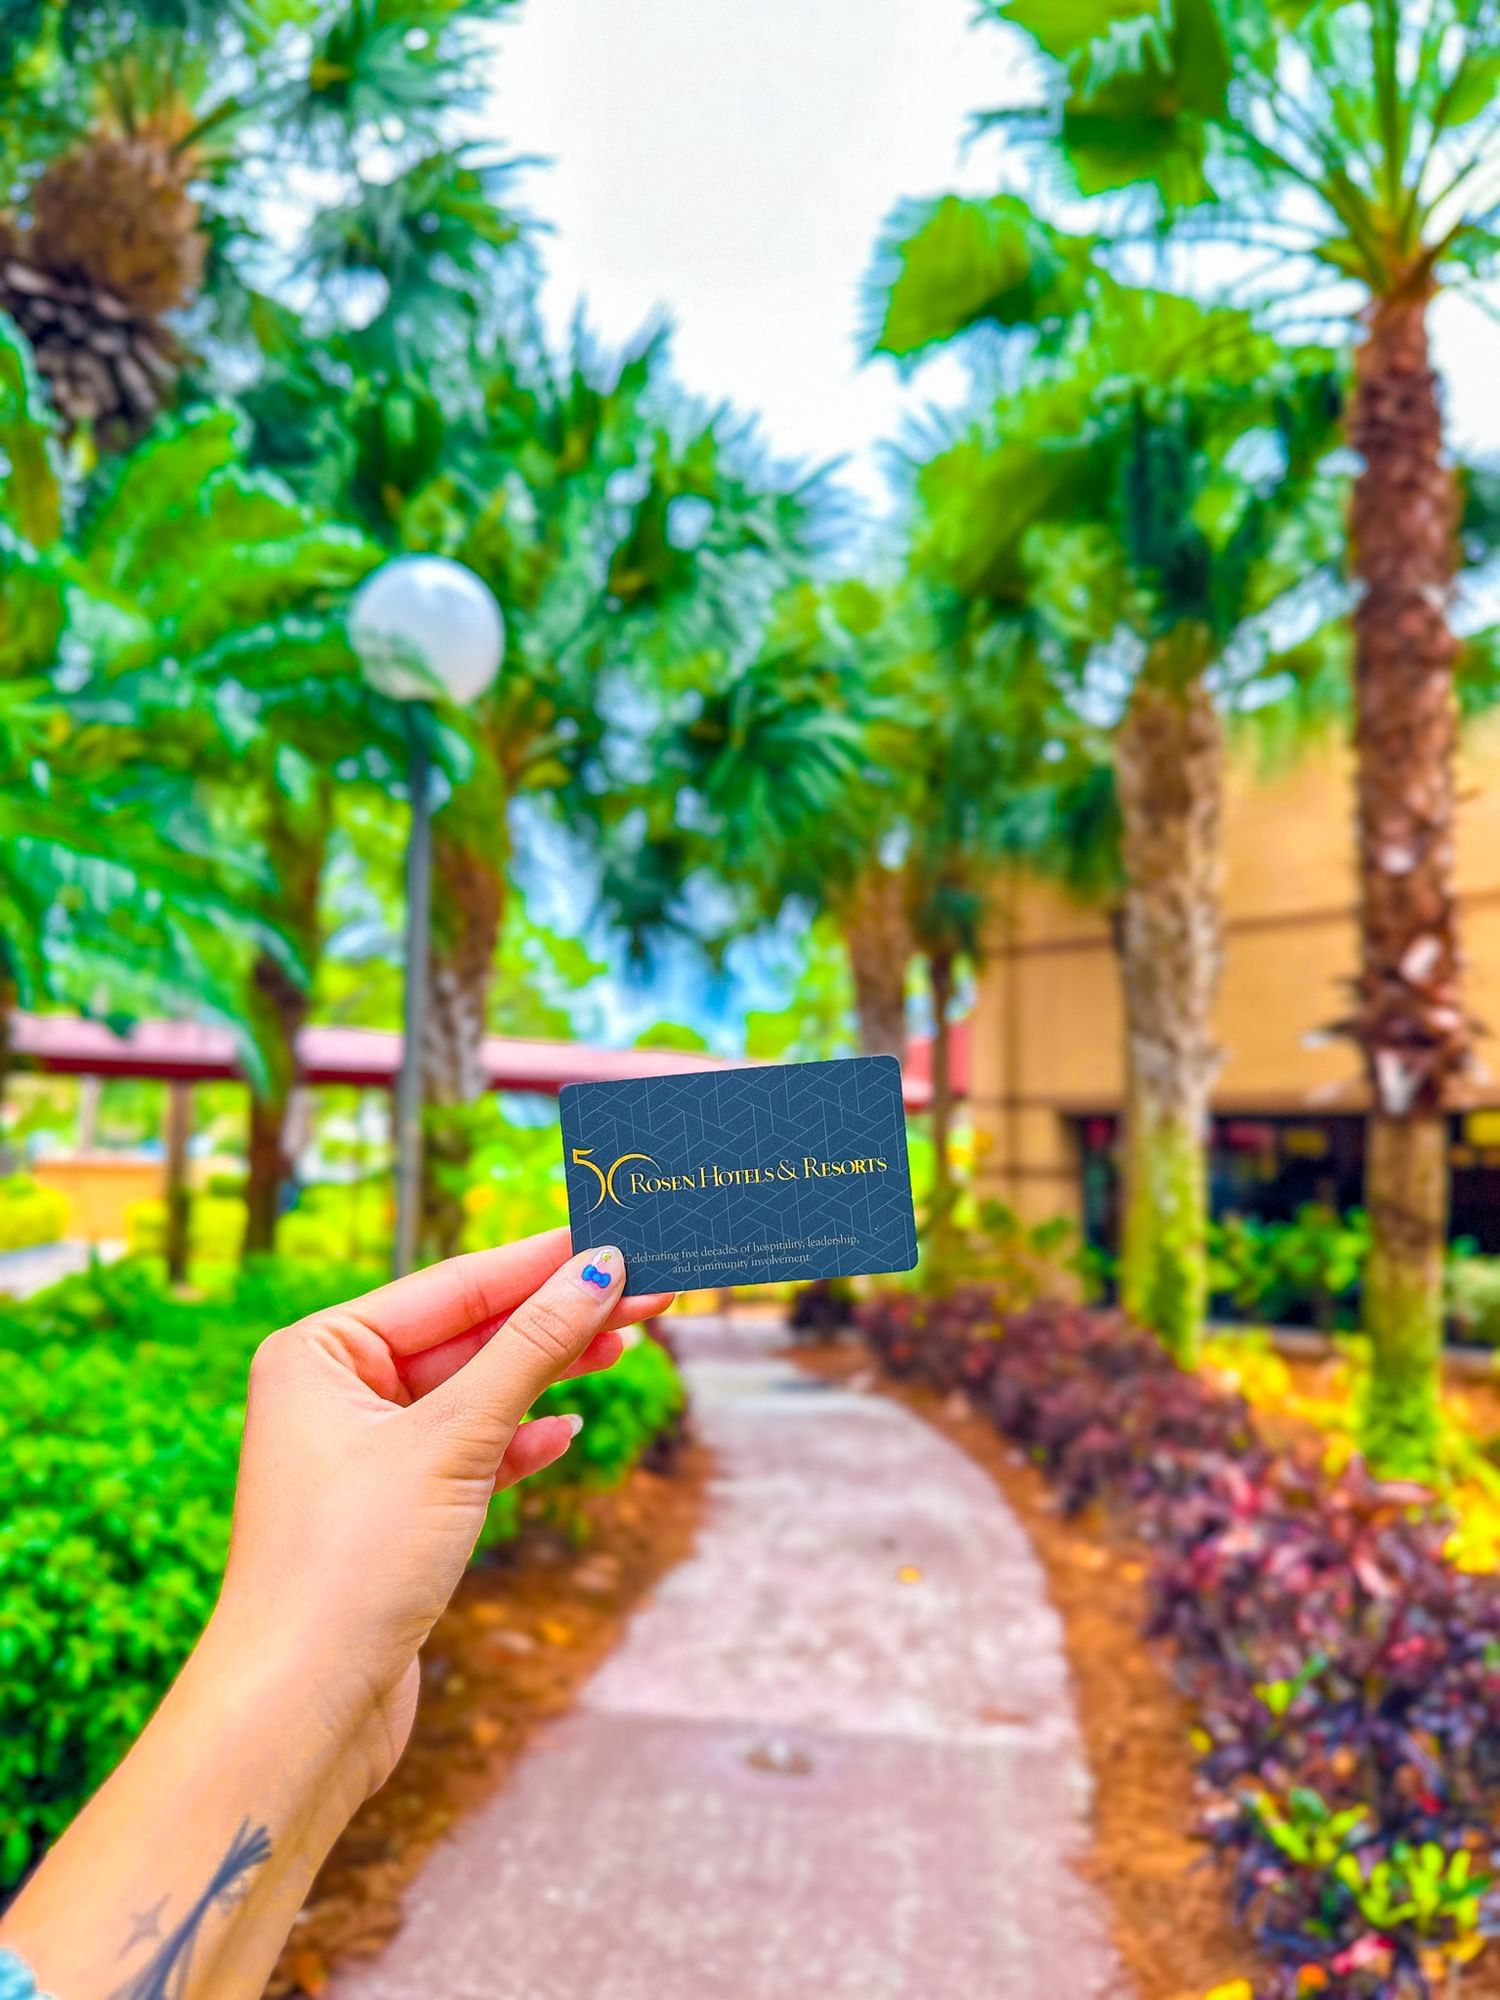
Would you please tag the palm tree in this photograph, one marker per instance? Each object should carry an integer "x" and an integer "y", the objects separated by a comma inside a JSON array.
[
  {"x": 363, "y": 402},
  {"x": 631, "y": 542},
  {"x": 1349, "y": 154},
  {"x": 139, "y": 142},
  {"x": 1102, "y": 496},
  {"x": 751, "y": 801},
  {"x": 117, "y": 890},
  {"x": 139, "y": 148},
  {"x": 861, "y": 646}
]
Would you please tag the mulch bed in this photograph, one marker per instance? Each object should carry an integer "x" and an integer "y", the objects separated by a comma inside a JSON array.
[
  {"x": 520, "y": 1637},
  {"x": 1171, "y": 1921}
]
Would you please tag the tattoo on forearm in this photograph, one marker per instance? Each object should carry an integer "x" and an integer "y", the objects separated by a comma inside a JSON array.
[{"x": 166, "y": 1973}]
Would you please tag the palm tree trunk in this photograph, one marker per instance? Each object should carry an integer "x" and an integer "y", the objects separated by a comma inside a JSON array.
[
  {"x": 177, "y": 1237},
  {"x": 279, "y": 1006},
  {"x": 1169, "y": 771},
  {"x": 940, "y": 979},
  {"x": 296, "y": 845},
  {"x": 877, "y": 935},
  {"x": 468, "y": 909},
  {"x": 1409, "y": 1021}
]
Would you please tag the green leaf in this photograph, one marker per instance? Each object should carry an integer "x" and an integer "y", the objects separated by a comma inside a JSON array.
[
  {"x": 30, "y": 492},
  {"x": 1473, "y": 87},
  {"x": 1142, "y": 85},
  {"x": 952, "y": 264},
  {"x": 1065, "y": 27}
]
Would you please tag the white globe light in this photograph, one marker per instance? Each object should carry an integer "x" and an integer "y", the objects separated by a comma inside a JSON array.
[{"x": 426, "y": 628}]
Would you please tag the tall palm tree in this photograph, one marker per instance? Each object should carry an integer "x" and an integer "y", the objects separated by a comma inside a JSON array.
[
  {"x": 1103, "y": 495},
  {"x": 751, "y": 802},
  {"x": 368, "y": 388},
  {"x": 1350, "y": 154},
  {"x": 632, "y": 543},
  {"x": 863, "y": 646}
]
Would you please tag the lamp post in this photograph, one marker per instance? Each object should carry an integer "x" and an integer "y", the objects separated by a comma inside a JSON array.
[{"x": 425, "y": 629}]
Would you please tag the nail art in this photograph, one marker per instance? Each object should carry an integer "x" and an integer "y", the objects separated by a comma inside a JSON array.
[{"x": 597, "y": 1273}]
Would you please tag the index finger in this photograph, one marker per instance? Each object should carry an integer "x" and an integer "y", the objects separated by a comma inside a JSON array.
[{"x": 467, "y": 1294}]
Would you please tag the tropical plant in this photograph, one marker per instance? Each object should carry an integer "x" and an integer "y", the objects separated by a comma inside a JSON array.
[
  {"x": 141, "y": 145},
  {"x": 633, "y": 545},
  {"x": 1347, "y": 153},
  {"x": 114, "y": 886},
  {"x": 350, "y": 366},
  {"x": 1306, "y": 1271},
  {"x": 1152, "y": 489},
  {"x": 774, "y": 801}
]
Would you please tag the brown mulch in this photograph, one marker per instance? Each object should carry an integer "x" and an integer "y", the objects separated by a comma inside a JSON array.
[
  {"x": 1171, "y": 1920},
  {"x": 514, "y": 1646}
]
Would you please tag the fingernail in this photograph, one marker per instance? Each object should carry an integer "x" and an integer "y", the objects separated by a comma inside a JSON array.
[
  {"x": 574, "y": 1423},
  {"x": 602, "y": 1270}
]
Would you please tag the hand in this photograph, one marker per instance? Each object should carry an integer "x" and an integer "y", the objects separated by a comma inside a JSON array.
[{"x": 375, "y": 1435}]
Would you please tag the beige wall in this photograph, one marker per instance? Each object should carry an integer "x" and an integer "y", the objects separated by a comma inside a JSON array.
[
  {"x": 101, "y": 1188},
  {"x": 1046, "y": 1040}
]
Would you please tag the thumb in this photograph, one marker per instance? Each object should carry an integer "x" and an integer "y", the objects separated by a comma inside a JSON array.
[{"x": 486, "y": 1399}]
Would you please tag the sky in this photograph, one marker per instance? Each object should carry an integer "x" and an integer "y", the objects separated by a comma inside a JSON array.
[{"x": 731, "y": 162}]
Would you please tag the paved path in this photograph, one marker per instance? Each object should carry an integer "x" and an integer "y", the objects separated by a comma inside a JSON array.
[
  {"x": 23, "y": 1272},
  {"x": 833, "y": 1759}
]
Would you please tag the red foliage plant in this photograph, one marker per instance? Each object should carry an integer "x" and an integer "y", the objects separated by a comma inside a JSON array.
[{"x": 1345, "y": 1675}]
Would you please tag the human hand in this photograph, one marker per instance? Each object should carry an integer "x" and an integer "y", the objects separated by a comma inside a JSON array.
[{"x": 375, "y": 1435}]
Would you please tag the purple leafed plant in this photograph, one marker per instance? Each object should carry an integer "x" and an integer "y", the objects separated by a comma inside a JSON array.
[{"x": 1345, "y": 1675}]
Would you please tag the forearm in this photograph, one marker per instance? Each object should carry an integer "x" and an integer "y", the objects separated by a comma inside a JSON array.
[{"x": 183, "y": 1874}]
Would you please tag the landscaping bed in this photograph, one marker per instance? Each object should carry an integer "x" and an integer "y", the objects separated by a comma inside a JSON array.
[
  {"x": 1339, "y": 1747},
  {"x": 523, "y": 1633}
]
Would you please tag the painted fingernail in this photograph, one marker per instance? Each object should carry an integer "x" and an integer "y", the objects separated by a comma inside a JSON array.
[
  {"x": 574, "y": 1423},
  {"x": 602, "y": 1270}
]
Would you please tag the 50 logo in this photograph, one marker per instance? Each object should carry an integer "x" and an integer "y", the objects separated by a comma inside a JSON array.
[{"x": 606, "y": 1177}]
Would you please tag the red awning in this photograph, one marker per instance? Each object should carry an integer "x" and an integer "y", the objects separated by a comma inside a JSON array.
[{"x": 188, "y": 1052}]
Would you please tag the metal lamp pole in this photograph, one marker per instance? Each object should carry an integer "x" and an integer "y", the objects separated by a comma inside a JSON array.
[
  {"x": 408, "y": 1122},
  {"x": 423, "y": 627}
]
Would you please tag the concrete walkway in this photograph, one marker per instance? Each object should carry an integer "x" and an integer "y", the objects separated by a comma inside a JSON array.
[
  {"x": 23, "y": 1272},
  {"x": 833, "y": 1757}
]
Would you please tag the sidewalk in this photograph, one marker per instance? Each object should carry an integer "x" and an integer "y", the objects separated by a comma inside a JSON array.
[
  {"x": 23, "y": 1272},
  {"x": 834, "y": 1757}
]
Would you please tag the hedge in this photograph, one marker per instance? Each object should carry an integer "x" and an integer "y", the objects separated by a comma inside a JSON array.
[
  {"x": 31, "y": 1215},
  {"x": 119, "y": 1434}
]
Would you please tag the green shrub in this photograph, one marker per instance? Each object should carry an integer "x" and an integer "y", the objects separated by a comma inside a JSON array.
[
  {"x": 1307, "y": 1271},
  {"x": 1020, "y": 1261},
  {"x": 119, "y": 1433},
  {"x": 358, "y": 1219},
  {"x": 1474, "y": 1295},
  {"x": 216, "y": 1227},
  {"x": 30, "y": 1215}
]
